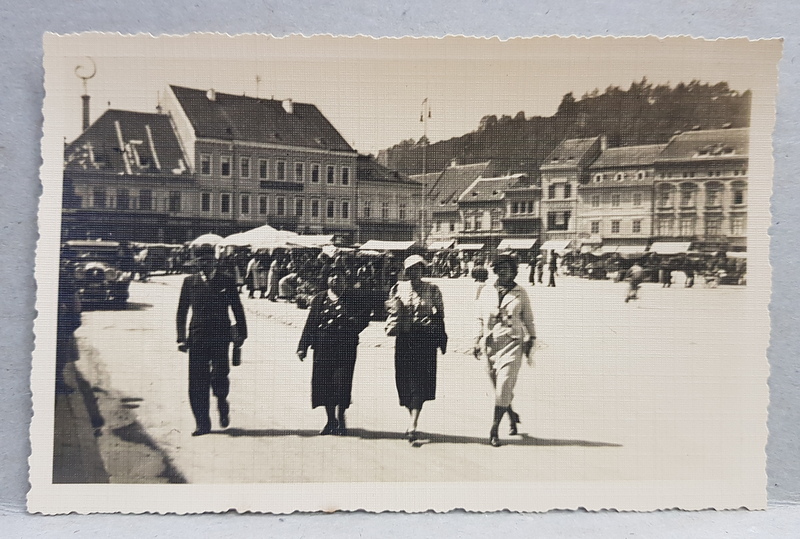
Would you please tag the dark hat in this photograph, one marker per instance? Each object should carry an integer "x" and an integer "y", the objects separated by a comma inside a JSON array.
[
  {"x": 506, "y": 258},
  {"x": 203, "y": 251}
]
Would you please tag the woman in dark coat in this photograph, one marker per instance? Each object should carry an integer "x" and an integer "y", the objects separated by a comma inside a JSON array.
[
  {"x": 416, "y": 317},
  {"x": 334, "y": 322}
]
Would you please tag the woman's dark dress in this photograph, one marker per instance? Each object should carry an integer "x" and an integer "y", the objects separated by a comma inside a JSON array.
[{"x": 332, "y": 329}]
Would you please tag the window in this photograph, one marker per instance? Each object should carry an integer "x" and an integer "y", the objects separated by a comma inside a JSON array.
[
  {"x": 280, "y": 208},
  {"x": 205, "y": 202},
  {"x": 225, "y": 203},
  {"x": 174, "y": 201},
  {"x": 636, "y": 226},
  {"x": 452, "y": 226},
  {"x": 298, "y": 207},
  {"x": 330, "y": 211},
  {"x": 738, "y": 193},
  {"x": 98, "y": 198},
  {"x": 468, "y": 223},
  {"x": 598, "y": 178},
  {"x": 225, "y": 165},
  {"x": 641, "y": 175},
  {"x": 637, "y": 199},
  {"x": 205, "y": 164},
  {"x": 551, "y": 191},
  {"x": 315, "y": 173},
  {"x": 146, "y": 200},
  {"x": 314, "y": 208},
  {"x": 244, "y": 205},
  {"x": 530, "y": 206},
  {"x": 299, "y": 172},
  {"x": 567, "y": 190},
  {"x": 280, "y": 171},
  {"x": 713, "y": 226},
  {"x": 514, "y": 207},
  {"x": 665, "y": 195},
  {"x": 123, "y": 199},
  {"x": 687, "y": 226},
  {"x": 262, "y": 205},
  {"x": 619, "y": 176},
  {"x": 738, "y": 226},
  {"x": 262, "y": 169},
  {"x": 595, "y": 227},
  {"x": 615, "y": 199},
  {"x": 367, "y": 210},
  {"x": 384, "y": 210},
  {"x": 595, "y": 201},
  {"x": 478, "y": 222},
  {"x": 712, "y": 195},
  {"x": 345, "y": 209},
  {"x": 402, "y": 212},
  {"x": 558, "y": 220},
  {"x": 345, "y": 175},
  {"x": 244, "y": 167},
  {"x": 687, "y": 195},
  {"x": 331, "y": 174},
  {"x": 664, "y": 227},
  {"x": 438, "y": 226},
  {"x": 615, "y": 227}
]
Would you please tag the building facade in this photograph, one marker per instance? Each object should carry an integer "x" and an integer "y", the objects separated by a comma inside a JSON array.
[
  {"x": 387, "y": 203},
  {"x": 615, "y": 205},
  {"x": 483, "y": 208},
  {"x": 700, "y": 190}
]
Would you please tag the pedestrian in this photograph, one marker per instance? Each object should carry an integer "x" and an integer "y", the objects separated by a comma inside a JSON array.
[
  {"x": 335, "y": 319},
  {"x": 506, "y": 333},
  {"x": 481, "y": 275},
  {"x": 665, "y": 273},
  {"x": 210, "y": 294},
  {"x": 539, "y": 268},
  {"x": 68, "y": 320},
  {"x": 416, "y": 317},
  {"x": 635, "y": 274},
  {"x": 553, "y": 268},
  {"x": 532, "y": 268}
]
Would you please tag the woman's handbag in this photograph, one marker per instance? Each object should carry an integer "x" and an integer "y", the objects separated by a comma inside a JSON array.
[{"x": 398, "y": 317}]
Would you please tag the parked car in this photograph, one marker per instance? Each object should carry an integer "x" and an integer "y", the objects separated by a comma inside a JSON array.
[{"x": 103, "y": 271}]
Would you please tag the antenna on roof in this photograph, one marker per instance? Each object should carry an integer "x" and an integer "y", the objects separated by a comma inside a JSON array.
[{"x": 85, "y": 74}]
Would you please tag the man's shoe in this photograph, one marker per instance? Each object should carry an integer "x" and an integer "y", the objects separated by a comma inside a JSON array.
[
  {"x": 201, "y": 431},
  {"x": 341, "y": 428},
  {"x": 330, "y": 428},
  {"x": 224, "y": 414},
  {"x": 494, "y": 441}
]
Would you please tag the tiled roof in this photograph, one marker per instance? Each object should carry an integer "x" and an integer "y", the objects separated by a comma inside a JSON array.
[
  {"x": 570, "y": 153},
  {"x": 488, "y": 189},
  {"x": 238, "y": 117},
  {"x": 708, "y": 145},
  {"x": 368, "y": 169},
  {"x": 628, "y": 156},
  {"x": 99, "y": 147},
  {"x": 454, "y": 180}
]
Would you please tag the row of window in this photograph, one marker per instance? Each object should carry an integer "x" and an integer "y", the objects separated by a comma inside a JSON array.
[
  {"x": 619, "y": 176},
  {"x": 279, "y": 171},
  {"x": 698, "y": 174},
  {"x": 688, "y": 194},
  {"x": 385, "y": 212},
  {"x": 596, "y": 227},
  {"x": 251, "y": 205},
  {"x": 686, "y": 226},
  {"x": 616, "y": 200},
  {"x": 523, "y": 207}
]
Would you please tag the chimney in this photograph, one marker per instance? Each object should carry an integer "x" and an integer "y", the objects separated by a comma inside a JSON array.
[
  {"x": 603, "y": 143},
  {"x": 288, "y": 106},
  {"x": 211, "y": 94},
  {"x": 85, "y": 98}
]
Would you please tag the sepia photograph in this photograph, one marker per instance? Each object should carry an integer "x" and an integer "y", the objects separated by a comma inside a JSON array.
[{"x": 337, "y": 273}]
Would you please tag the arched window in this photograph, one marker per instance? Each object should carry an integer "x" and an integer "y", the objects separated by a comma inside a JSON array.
[
  {"x": 739, "y": 192},
  {"x": 665, "y": 195},
  {"x": 688, "y": 195},
  {"x": 713, "y": 194}
]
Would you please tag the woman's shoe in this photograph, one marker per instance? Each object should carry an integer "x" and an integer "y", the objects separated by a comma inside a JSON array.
[
  {"x": 330, "y": 428},
  {"x": 514, "y": 417},
  {"x": 341, "y": 428},
  {"x": 411, "y": 436},
  {"x": 494, "y": 441}
]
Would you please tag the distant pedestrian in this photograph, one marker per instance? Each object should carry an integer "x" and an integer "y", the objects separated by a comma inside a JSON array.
[
  {"x": 481, "y": 275},
  {"x": 416, "y": 317},
  {"x": 634, "y": 275},
  {"x": 539, "y": 268},
  {"x": 506, "y": 333},
  {"x": 210, "y": 294},
  {"x": 553, "y": 268}
]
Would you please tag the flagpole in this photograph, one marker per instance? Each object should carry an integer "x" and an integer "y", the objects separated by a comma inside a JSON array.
[{"x": 425, "y": 114}]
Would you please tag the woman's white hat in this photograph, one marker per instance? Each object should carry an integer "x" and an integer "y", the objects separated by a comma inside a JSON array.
[{"x": 413, "y": 260}]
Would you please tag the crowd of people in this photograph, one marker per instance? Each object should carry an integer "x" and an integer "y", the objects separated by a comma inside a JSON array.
[{"x": 340, "y": 308}]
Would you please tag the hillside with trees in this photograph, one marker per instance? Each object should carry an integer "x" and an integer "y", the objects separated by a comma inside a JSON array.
[{"x": 642, "y": 114}]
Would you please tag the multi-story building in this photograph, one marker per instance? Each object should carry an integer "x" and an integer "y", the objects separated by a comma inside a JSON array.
[
  {"x": 386, "y": 202},
  {"x": 483, "y": 208},
  {"x": 522, "y": 218},
  {"x": 615, "y": 206},
  {"x": 126, "y": 177},
  {"x": 700, "y": 190},
  {"x": 443, "y": 218},
  {"x": 259, "y": 161},
  {"x": 562, "y": 172}
]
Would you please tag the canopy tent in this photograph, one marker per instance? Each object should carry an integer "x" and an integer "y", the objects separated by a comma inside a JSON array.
[
  {"x": 439, "y": 245},
  {"x": 592, "y": 240},
  {"x": 469, "y": 246},
  {"x": 631, "y": 249},
  {"x": 263, "y": 237},
  {"x": 380, "y": 245},
  {"x": 206, "y": 239},
  {"x": 518, "y": 244},
  {"x": 555, "y": 245},
  {"x": 332, "y": 250},
  {"x": 670, "y": 247},
  {"x": 591, "y": 249},
  {"x": 312, "y": 240}
]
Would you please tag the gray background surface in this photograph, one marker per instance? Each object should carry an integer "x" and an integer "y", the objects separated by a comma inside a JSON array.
[{"x": 21, "y": 95}]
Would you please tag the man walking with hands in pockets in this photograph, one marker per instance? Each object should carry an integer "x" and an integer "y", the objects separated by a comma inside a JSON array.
[{"x": 505, "y": 334}]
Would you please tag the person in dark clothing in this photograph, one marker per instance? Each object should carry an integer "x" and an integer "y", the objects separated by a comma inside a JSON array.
[
  {"x": 209, "y": 293},
  {"x": 553, "y": 268},
  {"x": 335, "y": 319},
  {"x": 416, "y": 317},
  {"x": 69, "y": 319}
]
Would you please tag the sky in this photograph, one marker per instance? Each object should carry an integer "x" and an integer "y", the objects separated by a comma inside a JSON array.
[{"x": 372, "y": 90}]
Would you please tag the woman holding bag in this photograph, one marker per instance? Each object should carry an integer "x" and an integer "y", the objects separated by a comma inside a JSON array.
[{"x": 416, "y": 318}]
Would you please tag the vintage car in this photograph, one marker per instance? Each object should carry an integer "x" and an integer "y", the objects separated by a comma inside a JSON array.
[{"x": 103, "y": 271}]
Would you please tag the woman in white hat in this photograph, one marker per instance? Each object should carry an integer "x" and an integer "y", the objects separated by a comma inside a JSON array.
[{"x": 416, "y": 317}]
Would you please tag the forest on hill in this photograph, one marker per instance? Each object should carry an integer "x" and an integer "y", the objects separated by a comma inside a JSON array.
[{"x": 642, "y": 114}]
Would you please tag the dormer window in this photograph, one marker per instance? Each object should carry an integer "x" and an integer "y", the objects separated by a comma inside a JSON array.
[
  {"x": 619, "y": 176},
  {"x": 598, "y": 178},
  {"x": 641, "y": 175}
]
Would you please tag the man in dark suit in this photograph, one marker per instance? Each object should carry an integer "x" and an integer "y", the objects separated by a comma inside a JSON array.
[{"x": 209, "y": 293}]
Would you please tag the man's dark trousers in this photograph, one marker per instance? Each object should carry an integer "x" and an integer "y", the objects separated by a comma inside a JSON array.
[{"x": 208, "y": 369}]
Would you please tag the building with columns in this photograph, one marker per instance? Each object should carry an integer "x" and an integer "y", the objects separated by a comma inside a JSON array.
[{"x": 700, "y": 190}]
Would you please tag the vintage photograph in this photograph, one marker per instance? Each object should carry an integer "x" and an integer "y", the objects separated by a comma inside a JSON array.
[{"x": 339, "y": 273}]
